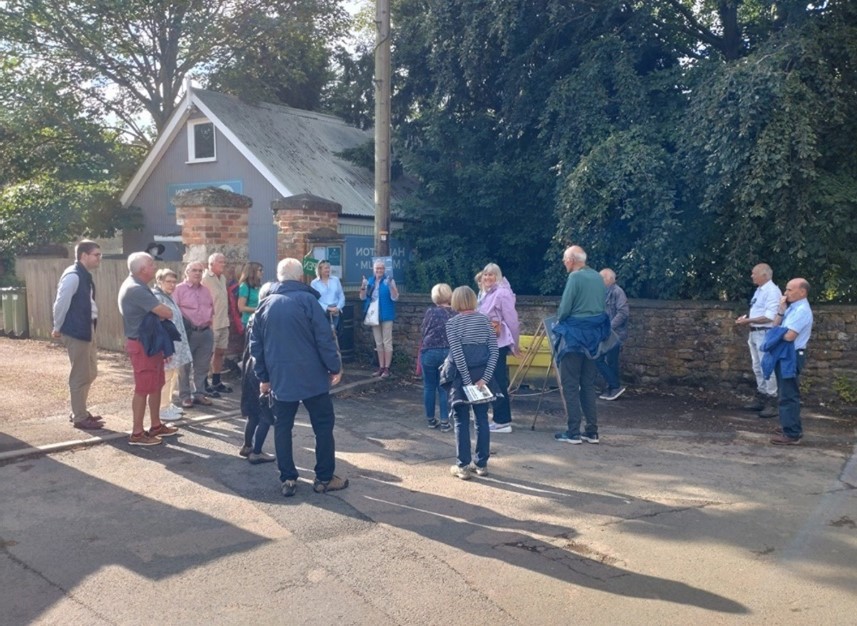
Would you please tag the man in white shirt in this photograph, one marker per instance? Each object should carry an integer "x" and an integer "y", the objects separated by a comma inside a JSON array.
[{"x": 763, "y": 309}]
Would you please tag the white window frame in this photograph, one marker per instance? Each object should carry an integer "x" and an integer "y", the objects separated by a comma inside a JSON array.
[{"x": 191, "y": 141}]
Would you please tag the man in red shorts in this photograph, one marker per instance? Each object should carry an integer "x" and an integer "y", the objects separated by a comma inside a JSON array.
[{"x": 136, "y": 300}]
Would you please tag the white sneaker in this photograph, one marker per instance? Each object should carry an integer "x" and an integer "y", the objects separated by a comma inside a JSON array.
[
  {"x": 464, "y": 473},
  {"x": 171, "y": 414},
  {"x": 479, "y": 471},
  {"x": 494, "y": 427}
]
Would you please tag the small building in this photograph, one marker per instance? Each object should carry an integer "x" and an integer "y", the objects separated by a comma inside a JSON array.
[{"x": 267, "y": 152}]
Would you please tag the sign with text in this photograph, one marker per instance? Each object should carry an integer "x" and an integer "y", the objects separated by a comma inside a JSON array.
[{"x": 360, "y": 254}]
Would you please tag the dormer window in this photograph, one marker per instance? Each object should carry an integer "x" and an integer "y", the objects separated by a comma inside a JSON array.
[{"x": 201, "y": 146}]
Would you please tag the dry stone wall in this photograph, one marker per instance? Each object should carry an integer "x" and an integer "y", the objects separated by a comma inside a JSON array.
[{"x": 675, "y": 343}]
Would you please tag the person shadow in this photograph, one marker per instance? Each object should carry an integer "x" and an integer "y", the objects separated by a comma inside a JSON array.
[
  {"x": 59, "y": 525},
  {"x": 537, "y": 546}
]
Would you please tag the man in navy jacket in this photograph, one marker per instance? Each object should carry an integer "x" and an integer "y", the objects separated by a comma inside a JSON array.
[
  {"x": 75, "y": 314},
  {"x": 297, "y": 361}
]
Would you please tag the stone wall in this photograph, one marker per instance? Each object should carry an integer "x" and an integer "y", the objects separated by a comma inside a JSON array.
[{"x": 689, "y": 344}]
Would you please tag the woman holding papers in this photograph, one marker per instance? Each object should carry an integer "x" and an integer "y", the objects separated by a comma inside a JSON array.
[{"x": 470, "y": 364}]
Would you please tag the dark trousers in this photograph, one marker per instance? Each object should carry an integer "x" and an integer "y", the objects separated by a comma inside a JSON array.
[
  {"x": 461, "y": 413},
  {"x": 502, "y": 409},
  {"x": 577, "y": 381},
  {"x": 608, "y": 366},
  {"x": 789, "y": 398},
  {"x": 201, "y": 344},
  {"x": 320, "y": 409}
]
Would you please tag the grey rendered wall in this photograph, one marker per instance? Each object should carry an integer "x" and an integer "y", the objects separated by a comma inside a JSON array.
[{"x": 230, "y": 166}]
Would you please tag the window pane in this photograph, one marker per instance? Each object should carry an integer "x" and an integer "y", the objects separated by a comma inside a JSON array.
[{"x": 203, "y": 141}]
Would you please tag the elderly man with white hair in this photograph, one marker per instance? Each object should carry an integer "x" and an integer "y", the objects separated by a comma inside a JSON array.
[
  {"x": 136, "y": 301},
  {"x": 297, "y": 360},
  {"x": 760, "y": 319},
  {"x": 583, "y": 332},
  {"x": 215, "y": 280},
  {"x": 617, "y": 309}
]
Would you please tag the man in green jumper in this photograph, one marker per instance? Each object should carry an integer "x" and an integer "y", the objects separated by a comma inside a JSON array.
[{"x": 581, "y": 320}]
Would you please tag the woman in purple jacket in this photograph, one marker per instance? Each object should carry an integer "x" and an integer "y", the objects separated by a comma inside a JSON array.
[{"x": 498, "y": 304}]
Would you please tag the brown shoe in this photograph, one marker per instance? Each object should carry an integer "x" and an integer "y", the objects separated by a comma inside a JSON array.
[
  {"x": 334, "y": 484},
  {"x": 89, "y": 424},
  {"x": 162, "y": 430},
  {"x": 143, "y": 439},
  {"x": 204, "y": 400},
  {"x": 785, "y": 440}
]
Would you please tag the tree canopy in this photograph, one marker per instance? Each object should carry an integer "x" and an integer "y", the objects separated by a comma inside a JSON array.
[
  {"x": 679, "y": 142},
  {"x": 86, "y": 87},
  {"x": 130, "y": 57}
]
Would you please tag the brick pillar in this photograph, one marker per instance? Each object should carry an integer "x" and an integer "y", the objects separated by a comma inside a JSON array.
[
  {"x": 297, "y": 218},
  {"x": 213, "y": 220}
]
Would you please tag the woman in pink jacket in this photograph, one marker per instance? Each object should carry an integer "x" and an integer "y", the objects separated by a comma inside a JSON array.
[{"x": 498, "y": 304}]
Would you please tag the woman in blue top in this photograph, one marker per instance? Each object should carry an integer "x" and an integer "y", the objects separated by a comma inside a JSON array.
[
  {"x": 248, "y": 290},
  {"x": 331, "y": 297},
  {"x": 382, "y": 289}
]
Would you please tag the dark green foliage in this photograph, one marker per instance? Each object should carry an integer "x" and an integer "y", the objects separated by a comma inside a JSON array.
[
  {"x": 679, "y": 142},
  {"x": 61, "y": 172}
]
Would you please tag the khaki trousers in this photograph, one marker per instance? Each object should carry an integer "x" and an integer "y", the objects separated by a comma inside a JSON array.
[{"x": 83, "y": 356}]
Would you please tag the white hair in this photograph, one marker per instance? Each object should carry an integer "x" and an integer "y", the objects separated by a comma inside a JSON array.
[
  {"x": 494, "y": 269},
  {"x": 575, "y": 253},
  {"x": 214, "y": 256},
  {"x": 289, "y": 269},
  {"x": 136, "y": 261}
]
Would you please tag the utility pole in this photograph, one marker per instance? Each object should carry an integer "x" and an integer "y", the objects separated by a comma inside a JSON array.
[{"x": 383, "y": 94}]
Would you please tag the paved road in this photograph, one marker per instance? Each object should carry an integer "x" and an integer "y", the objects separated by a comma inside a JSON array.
[{"x": 699, "y": 522}]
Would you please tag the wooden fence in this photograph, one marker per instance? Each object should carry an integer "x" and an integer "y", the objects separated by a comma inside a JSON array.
[{"x": 41, "y": 276}]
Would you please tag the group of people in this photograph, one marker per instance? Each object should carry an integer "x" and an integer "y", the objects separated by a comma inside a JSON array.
[
  {"x": 178, "y": 332},
  {"x": 197, "y": 306},
  {"x": 466, "y": 339},
  {"x": 779, "y": 325}
]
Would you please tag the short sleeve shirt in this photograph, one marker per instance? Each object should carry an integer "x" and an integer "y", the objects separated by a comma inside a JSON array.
[
  {"x": 765, "y": 302},
  {"x": 135, "y": 300},
  {"x": 798, "y": 318}
]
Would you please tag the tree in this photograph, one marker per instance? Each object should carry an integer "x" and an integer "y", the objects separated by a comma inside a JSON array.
[
  {"x": 680, "y": 142},
  {"x": 129, "y": 58},
  {"x": 291, "y": 65},
  {"x": 60, "y": 172}
]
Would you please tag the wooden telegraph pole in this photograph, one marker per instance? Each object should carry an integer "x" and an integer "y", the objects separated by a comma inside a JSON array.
[{"x": 383, "y": 93}]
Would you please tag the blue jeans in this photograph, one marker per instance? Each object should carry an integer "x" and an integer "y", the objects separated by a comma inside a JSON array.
[
  {"x": 320, "y": 409},
  {"x": 502, "y": 409},
  {"x": 430, "y": 361},
  {"x": 577, "y": 381},
  {"x": 608, "y": 366},
  {"x": 789, "y": 404},
  {"x": 462, "y": 434}
]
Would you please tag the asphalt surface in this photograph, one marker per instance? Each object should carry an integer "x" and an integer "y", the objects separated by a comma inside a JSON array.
[{"x": 683, "y": 512}]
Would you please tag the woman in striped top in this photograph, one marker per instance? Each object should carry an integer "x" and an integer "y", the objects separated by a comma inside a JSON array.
[{"x": 472, "y": 359}]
